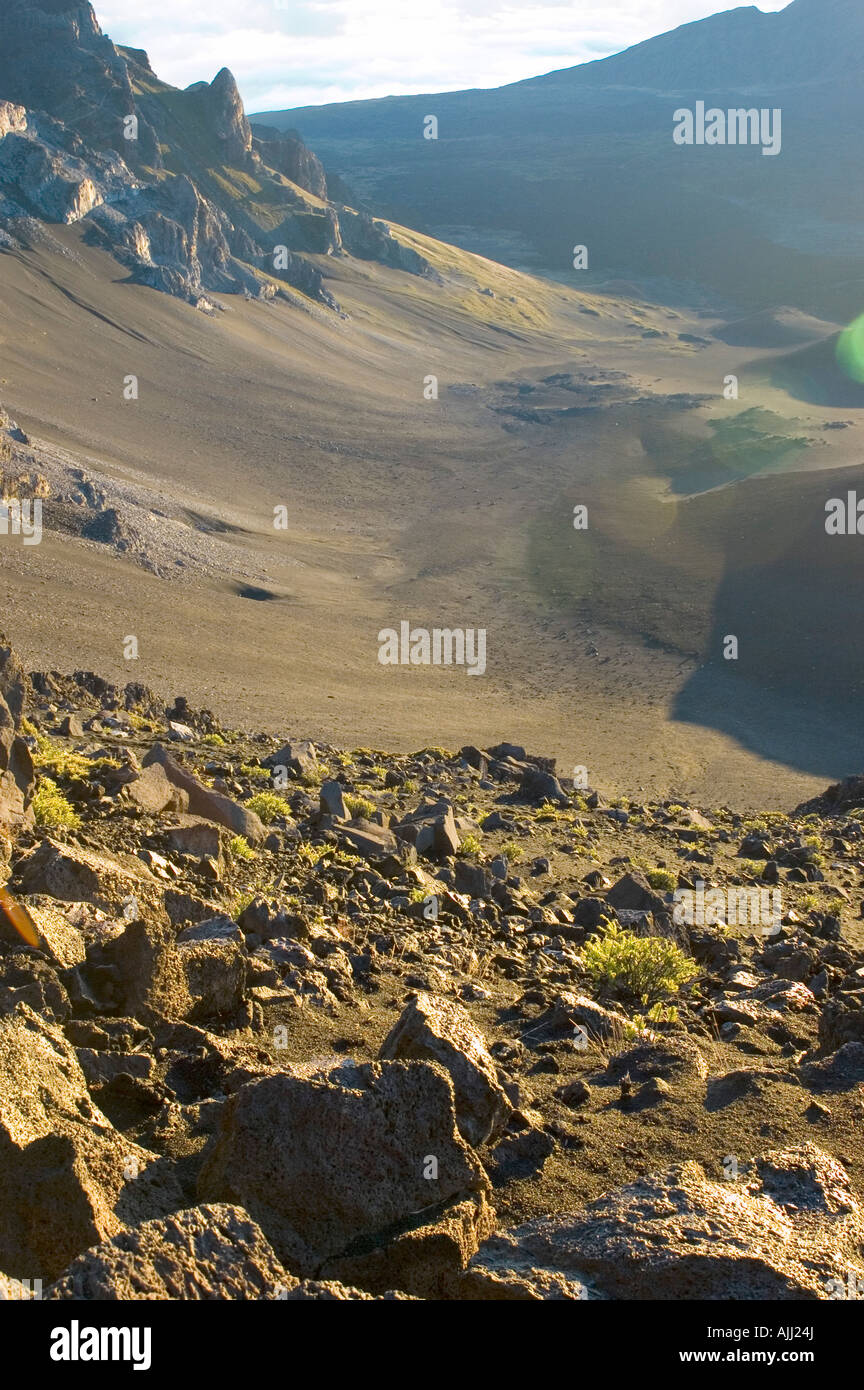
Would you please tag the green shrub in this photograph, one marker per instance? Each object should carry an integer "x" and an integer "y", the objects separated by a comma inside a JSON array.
[
  {"x": 51, "y": 808},
  {"x": 241, "y": 848},
  {"x": 469, "y": 846},
  {"x": 61, "y": 762},
  {"x": 255, "y": 773},
  {"x": 268, "y": 806},
  {"x": 662, "y": 880},
  {"x": 647, "y": 967},
  {"x": 358, "y": 807}
]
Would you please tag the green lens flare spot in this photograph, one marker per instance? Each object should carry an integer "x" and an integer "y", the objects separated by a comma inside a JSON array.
[{"x": 850, "y": 350}]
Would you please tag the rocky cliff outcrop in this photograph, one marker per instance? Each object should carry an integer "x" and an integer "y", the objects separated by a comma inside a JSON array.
[{"x": 161, "y": 177}]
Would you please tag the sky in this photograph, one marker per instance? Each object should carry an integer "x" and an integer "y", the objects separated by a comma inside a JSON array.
[{"x": 287, "y": 53}]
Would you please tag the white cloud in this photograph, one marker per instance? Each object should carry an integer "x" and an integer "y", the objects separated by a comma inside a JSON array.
[{"x": 304, "y": 52}]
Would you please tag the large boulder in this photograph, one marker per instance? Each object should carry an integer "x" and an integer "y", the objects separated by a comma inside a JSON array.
[
  {"x": 74, "y": 874},
  {"x": 202, "y": 801},
  {"x": 154, "y": 792},
  {"x": 69, "y": 1179},
  {"x": 158, "y": 978},
  {"x": 320, "y": 1163},
  {"x": 431, "y": 829},
  {"x": 788, "y": 1233},
  {"x": 439, "y": 1030},
  {"x": 202, "y": 1253},
  {"x": 17, "y": 776}
]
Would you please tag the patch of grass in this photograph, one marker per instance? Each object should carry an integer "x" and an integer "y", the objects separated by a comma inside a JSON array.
[
  {"x": 216, "y": 740},
  {"x": 310, "y": 855},
  {"x": 433, "y": 751},
  {"x": 51, "y": 808},
  {"x": 470, "y": 846},
  {"x": 662, "y": 880},
  {"x": 241, "y": 848},
  {"x": 512, "y": 851},
  {"x": 359, "y": 807},
  {"x": 255, "y": 773},
  {"x": 808, "y": 902},
  {"x": 268, "y": 806},
  {"x": 138, "y": 722},
  {"x": 648, "y": 968},
  {"x": 60, "y": 762},
  {"x": 547, "y": 810},
  {"x": 315, "y": 777},
  {"x": 242, "y": 898}
]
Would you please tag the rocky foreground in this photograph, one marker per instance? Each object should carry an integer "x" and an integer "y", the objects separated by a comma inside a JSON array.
[{"x": 309, "y": 1024}]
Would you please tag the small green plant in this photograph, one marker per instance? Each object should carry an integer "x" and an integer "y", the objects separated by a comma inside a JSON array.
[
  {"x": 808, "y": 902},
  {"x": 358, "y": 807},
  {"x": 241, "y": 848},
  {"x": 216, "y": 740},
  {"x": 241, "y": 900},
  {"x": 51, "y": 808},
  {"x": 268, "y": 806},
  {"x": 662, "y": 880},
  {"x": 314, "y": 777},
  {"x": 647, "y": 967},
  {"x": 471, "y": 845},
  {"x": 512, "y": 850},
  {"x": 409, "y": 786},
  {"x": 661, "y": 1013},
  {"x": 254, "y": 773},
  {"x": 310, "y": 855},
  {"x": 60, "y": 762},
  {"x": 138, "y": 722},
  {"x": 433, "y": 751}
]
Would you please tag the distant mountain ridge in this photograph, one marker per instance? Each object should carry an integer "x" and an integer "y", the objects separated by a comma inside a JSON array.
[{"x": 585, "y": 155}]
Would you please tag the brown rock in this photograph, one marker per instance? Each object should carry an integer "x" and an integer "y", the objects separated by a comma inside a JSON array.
[
  {"x": 17, "y": 776},
  {"x": 202, "y": 1253},
  {"x": 74, "y": 874},
  {"x": 203, "y": 802},
  {"x": 69, "y": 1179},
  {"x": 320, "y": 1164},
  {"x": 439, "y": 1030}
]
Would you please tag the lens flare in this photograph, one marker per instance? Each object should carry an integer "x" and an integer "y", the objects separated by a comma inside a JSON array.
[
  {"x": 850, "y": 350},
  {"x": 18, "y": 917}
]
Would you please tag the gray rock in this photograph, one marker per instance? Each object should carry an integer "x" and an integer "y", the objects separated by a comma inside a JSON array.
[
  {"x": 679, "y": 1235},
  {"x": 332, "y": 801}
]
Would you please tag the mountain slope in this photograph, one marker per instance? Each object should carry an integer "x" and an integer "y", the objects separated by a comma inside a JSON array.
[{"x": 586, "y": 156}]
